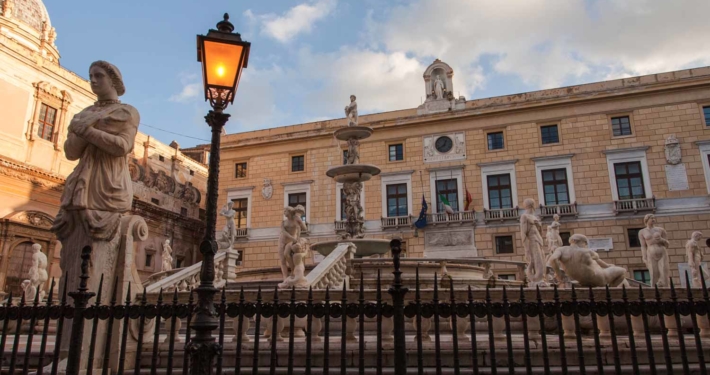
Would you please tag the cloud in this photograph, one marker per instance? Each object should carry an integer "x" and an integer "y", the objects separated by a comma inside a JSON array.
[
  {"x": 255, "y": 106},
  {"x": 191, "y": 88},
  {"x": 297, "y": 20}
]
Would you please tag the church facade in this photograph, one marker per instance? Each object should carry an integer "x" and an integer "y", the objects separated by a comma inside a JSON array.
[
  {"x": 38, "y": 98},
  {"x": 601, "y": 156}
]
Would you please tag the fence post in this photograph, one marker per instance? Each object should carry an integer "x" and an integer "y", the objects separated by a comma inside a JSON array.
[
  {"x": 398, "y": 291},
  {"x": 81, "y": 299}
]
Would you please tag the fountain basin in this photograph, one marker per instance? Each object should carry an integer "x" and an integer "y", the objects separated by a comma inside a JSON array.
[
  {"x": 353, "y": 132},
  {"x": 365, "y": 246},
  {"x": 352, "y": 173}
]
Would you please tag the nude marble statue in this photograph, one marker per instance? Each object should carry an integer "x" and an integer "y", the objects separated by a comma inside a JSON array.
[
  {"x": 291, "y": 229},
  {"x": 553, "y": 235},
  {"x": 353, "y": 151},
  {"x": 694, "y": 253},
  {"x": 530, "y": 229},
  {"x": 37, "y": 275},
  {"x": 654, "y": 245},
  {"x": 584, "y": 265},
  {"x": 167, "y": 256},
  {"x": 351, "y": 111},
  {"x": 229, "y": 233}
]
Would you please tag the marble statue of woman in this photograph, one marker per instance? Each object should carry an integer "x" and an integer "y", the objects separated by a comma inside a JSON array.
[
  {"x": 291, "y": 229},
  {"x": 530, "y": 229},
  {"x": 694, "y": 252},
  {"x": 439, "y": 88},
  {"x": 351, "y": 111},
  {"x": 654, "y": 245},
  {"x": 229, "y": 233},
  {"x": 553, "y": 235},
  {"x": 584, "y": 265},
  {"x": 167, "y": 256}
]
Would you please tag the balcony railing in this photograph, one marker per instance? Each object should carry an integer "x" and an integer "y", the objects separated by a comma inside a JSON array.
[
  {"x": 635, "y": 205},
  {"x": 460, "y": 217},
  {"x": 560, "y": 209},
  {"x": 501, "y": 214},
  {"x": 396, "y": 222},
  {"x": 242, "y": 232},
  {"x": 341, "y": 225}
]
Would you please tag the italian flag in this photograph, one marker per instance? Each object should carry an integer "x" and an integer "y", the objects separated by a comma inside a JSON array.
[{"x": 447, "y": 205}]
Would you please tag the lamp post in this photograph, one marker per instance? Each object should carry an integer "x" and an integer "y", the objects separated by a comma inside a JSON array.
[{"x": 223, "y": 55}]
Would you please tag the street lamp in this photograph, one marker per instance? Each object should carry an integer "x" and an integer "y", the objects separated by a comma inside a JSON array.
[{"x": 223, "y": 55}]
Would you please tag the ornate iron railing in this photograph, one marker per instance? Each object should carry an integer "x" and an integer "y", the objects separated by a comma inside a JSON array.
[
  {"x": 501, "y": 214},
  {"x": 560, "y": 209},
  {"x": 635, "y": 205}
]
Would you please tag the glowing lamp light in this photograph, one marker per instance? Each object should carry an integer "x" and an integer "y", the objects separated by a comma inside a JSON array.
[{"x": 223, "y": 55}]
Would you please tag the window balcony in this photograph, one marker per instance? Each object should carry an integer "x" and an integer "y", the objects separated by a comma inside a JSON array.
[
  {"x": 559, "y": 209},
  {"x": 461, "y": 217},
  {"x": 501, "y": 214},
  {"x": 242, "y": 233},
  {"x": 395, "y": 222},
  {"x": 341, "y": 226},
  {"x": 635, "y": 205}
]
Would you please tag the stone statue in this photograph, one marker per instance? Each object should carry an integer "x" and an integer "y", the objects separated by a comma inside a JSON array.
[
  {"x": 353, "y": 210},
  {"x": 353, "y": 152},
  {"x": 654, "y": 245},
  {"x": 438, "y": 88},
  {"x": 167, "y": 256},
  {"x": 584, "y": 265},
  {"x": 553, "y": 235},
  {"x": 291, "y": 229},
  {"x": 351, "y": 111},
  {"x": 694, "y": 252},
  {"x": 229, "y": 233},
  {"x": 530, "y": 229},
  {"x": 7, "y": 8},
  {"x": 37, "y": 275},
  {"x": 295, "y": 254}
]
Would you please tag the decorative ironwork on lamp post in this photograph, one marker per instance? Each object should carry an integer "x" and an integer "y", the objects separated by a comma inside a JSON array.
[{"x": 223, "y": 55}]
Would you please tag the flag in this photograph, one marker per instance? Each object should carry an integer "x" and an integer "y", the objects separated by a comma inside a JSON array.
[
  {"x": 447, "y": 205},
  {"x": 421, "y": 221},
  {"x": 469, "y": 199}
]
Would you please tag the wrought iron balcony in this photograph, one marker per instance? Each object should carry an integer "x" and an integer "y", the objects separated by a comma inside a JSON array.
[
  {"x": 460, "y": 217},
  {"x": 635, "y": 205},
  {"x": 560, "y": 209},
  {"x": 396, "y": 222},
  {"x": 502, "y": 214}
]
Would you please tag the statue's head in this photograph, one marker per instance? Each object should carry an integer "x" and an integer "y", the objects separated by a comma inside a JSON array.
[
  {"x": 556, "y": 217},
  {"x": 167, "y": 241},
  {"x": 106, "y": 80},
  {"x": 696, "y": 235},
  {"x": 529, "y": 204},
  {"x": 352, "y": 98},
  {"x": 36, "y": 247},
  {"x": 299, "y": 210},
  {"x": 578, "y": 240},
  {"x": 649, "y": 219},
  {"x": 230, "y": 204}
]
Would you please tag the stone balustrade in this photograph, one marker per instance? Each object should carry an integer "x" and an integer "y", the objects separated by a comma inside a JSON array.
[
  {"x": 185, "y": 279},
  {"x": 559, "y": 209},
  {"x": 395, "y": 222},
  {"x": 502, "y": 214},
  {"x": 331, "y": 272},
  {"x": 442, "y": 218},
  {"x": 635, "y": 205}
]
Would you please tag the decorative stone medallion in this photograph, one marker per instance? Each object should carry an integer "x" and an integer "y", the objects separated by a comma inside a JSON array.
[
  {"x": 673, "y": 154},
  {"x": 268, "y": 190}
]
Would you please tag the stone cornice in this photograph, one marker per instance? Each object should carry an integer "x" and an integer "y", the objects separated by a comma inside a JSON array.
[
  {"x": 553, "y": 157},
  {"x": 502, "y": 162},
  {"x": 36, "y": 176},
  {"x": 240, "y": 188},
  {"x": 395, "y": 173},
  {"x": 449, "y": 168},
  {"x": 304, "y": 182},
  {"x": 625, "y": 149}
]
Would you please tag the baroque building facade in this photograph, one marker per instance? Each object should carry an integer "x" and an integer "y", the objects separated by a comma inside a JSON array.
[
  {"x": 38, "y": 98},
  {"x": 601, "y": 155}
]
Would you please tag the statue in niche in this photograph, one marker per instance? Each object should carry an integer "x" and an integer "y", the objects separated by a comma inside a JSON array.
[
  {"x": 229, "y": 233},
  {"x": 530, "y": 229},
  {"x": 37, "y": 275},
  {"x": 553, "y": 235},
  {"x": 291, "y": 229},
  {"x": 694, "y": 252},
  {"x": 438, "y": 88},
  {"x": 584, "y": 265},
  {"x": 654, "y": 245},
  {"x": 353, "y": 151},
  {"x": 167, "y": 256},
  {"x": 351, "y": 111}
]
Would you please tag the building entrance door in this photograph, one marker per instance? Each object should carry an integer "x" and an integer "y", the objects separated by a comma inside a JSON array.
[{"x": 19, "y": 267}]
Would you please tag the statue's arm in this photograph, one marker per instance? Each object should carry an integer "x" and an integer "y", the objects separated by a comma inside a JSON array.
[
  {"x": 600, "y": 262},
  {"x": 116, "y": 144},
  {"x": 74, "y": 146},
  {"x": 554, "y": 262},
  {"x": 642, "y": 241}
]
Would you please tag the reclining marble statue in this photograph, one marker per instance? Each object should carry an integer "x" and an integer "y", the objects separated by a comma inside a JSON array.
[
  {"x": 96, "y": 197},
  {"x": 694, "y": 252},
  {"x": 654, "y": 245},
  {"x": 583, "y": 265}
]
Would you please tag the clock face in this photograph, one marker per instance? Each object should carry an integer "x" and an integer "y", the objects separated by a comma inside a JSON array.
[{"x": 443, "y": 144}]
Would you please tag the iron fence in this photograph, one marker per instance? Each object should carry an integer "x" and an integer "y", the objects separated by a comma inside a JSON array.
[{"x": 599, "y": 331}]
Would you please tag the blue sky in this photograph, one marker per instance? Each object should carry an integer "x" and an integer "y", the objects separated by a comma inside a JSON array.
[{"x": 308, "y": 56}]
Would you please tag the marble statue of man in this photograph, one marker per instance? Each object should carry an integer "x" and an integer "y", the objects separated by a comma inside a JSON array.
[
  {"x": 694, "y": 252},
  {"x": 291, "y": 229},
  {"x": 37, "y": 275},
  {"x": 351, "y": 111},
  {"x": 553, "y": 235},
  {"x": 530, "y": 229},
  {"x": 229, "y": 233},
  {"x": 167, "y": 256},
  {"x": 439, "y": 88},
  {"x": 584, "y": 265},
  {"x": 654, "y": 245}
]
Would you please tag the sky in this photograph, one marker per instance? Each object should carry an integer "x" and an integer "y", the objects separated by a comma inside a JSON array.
[{"x": 308, "y": 56}]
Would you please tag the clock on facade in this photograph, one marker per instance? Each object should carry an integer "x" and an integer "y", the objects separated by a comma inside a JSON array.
[{"x": 443, "y": 144}]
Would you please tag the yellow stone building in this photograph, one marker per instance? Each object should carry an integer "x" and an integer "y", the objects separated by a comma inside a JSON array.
[
  {"x": 38, "y": 98},
  {"x": 602, "y": 155}
]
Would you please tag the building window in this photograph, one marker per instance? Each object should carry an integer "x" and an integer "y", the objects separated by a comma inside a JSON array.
[
  {"x": 397, "y": 200},
  {"x": 621, "y": 125},
  {"x": 495, "y": 141},
  {"x": 343, "y": 198},
  {"x": 298, "y": 198},
  {"x": 161, "y": 158},
  {"x": 629, "y": 180},
  {"x": 506, "y": 277},
  {"x": 633, "y": 234},
  {"x": 642, "y": 276},
  {"x": 448, "y": 189},
  {"x": 148, "y": 260},
  {"x": 565, "y": 238},
  {"x": 240, "y": 170},
  {"x": 178, "y": 262},
  {"x": 706, "y": 115},
  {"x": 183, "y": 211},
  {"x": 241, "y": 207},
  {"x": 504, "y": 245},
  {"x": 549, "y": 134},
  {"x": 396, "y": 152},
  {"x": 499, "y": 194},
  {"x": 46, "y": 121},
  {"x": 345, "y": 157},
  {"x": 192, "y": 173},
  {"x": 155, "y": 201},
  {"x": 554, "y": 182},
  {"x": 298, "y": 163}
]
